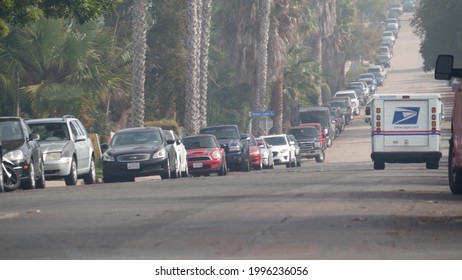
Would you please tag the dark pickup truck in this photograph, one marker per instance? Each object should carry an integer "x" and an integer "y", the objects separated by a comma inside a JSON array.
[{"x": 234, "y": 143}]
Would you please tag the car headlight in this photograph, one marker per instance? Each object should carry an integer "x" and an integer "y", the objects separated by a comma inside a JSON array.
[
  {"x": 107, "y": 157},
  {"x": 160, "y": 154},
  {"x": 216, "y": 154},
  {"x": 235, "y": 148},
  {"x": 53, "y": 156},
  {"x": 283, "y": 151},
  {"x": 317, "y": 144},
  {"x": 16, "y": 155}
]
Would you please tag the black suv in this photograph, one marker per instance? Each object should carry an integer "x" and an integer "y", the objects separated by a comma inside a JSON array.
[{"x": 21, "y": 149}]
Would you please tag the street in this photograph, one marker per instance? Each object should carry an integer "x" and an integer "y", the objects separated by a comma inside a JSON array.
[{"x": 339, "y": 209}]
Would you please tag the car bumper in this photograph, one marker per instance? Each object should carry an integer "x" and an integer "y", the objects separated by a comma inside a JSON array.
[
  {"x": 234, "y": 159},
  {"x": 406, "y": 157},
  {"x": 204, "y": 167},
  {"x": 57, "y": 168},
  {"x": 280, "y": 158},
  {"x": 150, "y": 167},
  {"x": 310, "y": 153}
]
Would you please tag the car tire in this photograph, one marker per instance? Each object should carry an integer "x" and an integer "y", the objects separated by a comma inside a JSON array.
[
  {"x": 321, "y": 157},
  {"x": 175, "y": 173},
  {"x": 41, "y": 183},
  {"x": 30, "y": 183},
  {"x": 289, "y": 164},
  {"x": 90, "y": 178},
  {"x": 246, "y": 166},
  {"x": 185, "y": 173},
  {"x": 71, "y": 179},
  {"x": 166, "y": 173},
  {"x": 454, "y": 173},
  {"x": 379, "y": 165},
  {"x": 222, "y": 171}
]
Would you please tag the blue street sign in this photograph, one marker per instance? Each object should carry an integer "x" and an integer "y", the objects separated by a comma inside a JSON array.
[{"x": 262, "y": 114}]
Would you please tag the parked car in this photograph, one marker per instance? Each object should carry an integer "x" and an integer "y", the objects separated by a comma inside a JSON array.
[
  {"x": 371, "y": 82},
  {"x": 181, "y": 162},
  {"x": 384, "y": 50},
  {"x": 309, "y": 140},
  {"x": 21, "y": 148},
  {"x": 320, "y": 115},
  {"x": 383, "y": 59},
  {"x": 388, "y": 36},
  {"x": 67, "y": 149},
  {"x": 266, "y": 153},
  {"x": 345, "y": 106},
  {"x": 298, "y": 156},
  {"x": 379, "y": 72},
  {"x": 255, "y": 153},
  {"x": 353, "y": 96},
  {"x": 283, "y": 151},
  {"x": 235, "y": 145},
  {"x": 205, "y": 155},
  {"x": 338, "y": 119},
  {"x": 362, "y": 90},
  {"x": 137, "y": 152},
  {"x": 393, "y": 27}
]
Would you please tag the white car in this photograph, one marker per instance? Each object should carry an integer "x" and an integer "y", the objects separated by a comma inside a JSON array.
[
  {"x": 283, "y": 150},
  {"x": 181, "y": 155},
  {"x": 266, "y": 153}
]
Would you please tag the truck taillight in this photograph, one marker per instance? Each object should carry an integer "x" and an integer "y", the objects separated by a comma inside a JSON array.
[
  {"x": 433, "y": 117},
  {"x": 433, "y": 124},
  {"x": 379, "y": 130},
  {"x": 433, "y": 110},
  {"x": 377, "y": 110},
  {"x": 378, "y": 117},
  {"x": 378, "y": 124}
]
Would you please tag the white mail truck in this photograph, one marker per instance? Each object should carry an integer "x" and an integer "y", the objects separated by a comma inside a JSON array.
[{"x": 405, "y": 128}]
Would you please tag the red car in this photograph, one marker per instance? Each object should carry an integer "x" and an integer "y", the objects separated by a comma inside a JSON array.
[
  {"x": 205, "y": 155},
  {"x": 255, "y": 153}
]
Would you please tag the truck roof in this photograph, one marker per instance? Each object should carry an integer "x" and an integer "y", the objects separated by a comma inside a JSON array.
[{"x": 411, "y": 96}]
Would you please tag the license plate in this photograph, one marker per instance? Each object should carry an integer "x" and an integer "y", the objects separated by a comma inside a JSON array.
[
  {"x": 197, "y": 165},
  {"x": 133, "y": 165}
]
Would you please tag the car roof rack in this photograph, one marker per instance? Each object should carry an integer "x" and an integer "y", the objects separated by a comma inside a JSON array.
[{"x": 68, "y": 117}]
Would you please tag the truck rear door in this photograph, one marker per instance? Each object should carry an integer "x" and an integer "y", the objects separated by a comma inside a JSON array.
[{"x": 406, "y": 123}]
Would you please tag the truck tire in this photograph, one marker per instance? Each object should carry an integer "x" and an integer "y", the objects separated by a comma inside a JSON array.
[
  {"x": 321, "y": 157},
  {"x": 454, "y": 173},
  {"x": 379, "y": 165}
]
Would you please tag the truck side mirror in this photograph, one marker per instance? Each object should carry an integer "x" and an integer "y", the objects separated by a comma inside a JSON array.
[
  {"x": 444, "y": 66},
  {"x": 368, "y": 111}
]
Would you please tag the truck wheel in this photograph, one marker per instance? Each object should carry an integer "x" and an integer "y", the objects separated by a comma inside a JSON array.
[
  {"x": 455, "y": 174},
  {"x": 321, "y": 157},
  {"x": 432, "y": 164},
  {"x": 379, "y": 165}
]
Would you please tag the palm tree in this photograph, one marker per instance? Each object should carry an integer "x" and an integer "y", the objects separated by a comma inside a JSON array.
[
  {"x": 204, "y": 59},
  {"x": 59, "y": 67},
  {"x": 140, "y": 8},
  {"x": 192, "y": 113}
]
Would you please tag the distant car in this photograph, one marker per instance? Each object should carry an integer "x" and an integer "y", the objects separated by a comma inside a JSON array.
[
  {"x": 319, "y": 115},
  {"x": 298, "y": 156},
  {"x": 266, "y": 153},
  {"x": 283, "y": 151},
  {"x": 138, "y": 152},
  {"x": 345, "y": 106},
  {"x": 20, "y": 146},
  {"x": 379, "y": 72},
  {"x": 388, "y": 36},
  {"x": 371, "y": 82},
  {"x": 67, "y": 149},
  {"x": 205, "y": 155},
  {"x": 362, "y": 88},
  {"x": 393, "y": 27},
  {"x": 384, "y": 59},
  {"x": 255, "y": 153},
  {"x": 353, "y": 96},
  {"x": 338, "y": 119},
  {"x": 181, "y": 163},
  {"x": 384, "y": 50}
]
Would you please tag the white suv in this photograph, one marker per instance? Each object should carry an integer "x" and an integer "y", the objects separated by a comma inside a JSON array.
[
  {"x": 283, "y": 149},
  {"x": 353, "y": 96},
  {"x": 67, "y": 150}
]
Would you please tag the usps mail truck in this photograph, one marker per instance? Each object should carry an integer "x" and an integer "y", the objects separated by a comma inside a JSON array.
[{"x": 406, "y": 129}]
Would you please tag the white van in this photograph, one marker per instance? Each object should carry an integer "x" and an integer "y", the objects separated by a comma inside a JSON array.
[{"x": 405, "y": 128}]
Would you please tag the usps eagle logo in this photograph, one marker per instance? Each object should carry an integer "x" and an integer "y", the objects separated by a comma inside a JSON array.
[{"x": 406, "y": 115}]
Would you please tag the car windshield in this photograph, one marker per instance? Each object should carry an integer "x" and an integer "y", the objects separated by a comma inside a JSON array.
[
  {"x": 136, "y": 138},
  {"x": 313, "y": 117},
  {"x": 351, "y": 95},
  {"x": 199, "y": 143},
  {"x": 10, "y": 131},
  {"x": 222, "y": 132},
  {"x": 306, "y": 132},
  {"x": 276, "y": 140},
  {"x": 50, "y": 131},
  {"x": 338, "y": 104}
]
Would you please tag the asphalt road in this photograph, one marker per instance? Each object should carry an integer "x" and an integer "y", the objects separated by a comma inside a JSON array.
[{"x": 339, "y": 209}]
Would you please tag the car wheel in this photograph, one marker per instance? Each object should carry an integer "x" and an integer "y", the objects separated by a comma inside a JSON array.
[
  {"x": 90, "y": 178},
  {"x": 299, "y": 162},
  {"x": 454, "y": 173},
  {"x": 379, "y": 165},
  {"x": 71, "y": 179},
  {"x": 222, "y": 171},
  {"x": 175, "y": 173},
  {"x": 30, "y": 183},
  {"x": 321, "y": 157},
  {"x": 289, "y": 164},
  {"x": 11, "y": 182},
  {"x": 2, "y": 187},
  {"x": 185, "y": 173},
  {"x": 166, "y": 173},
  {"x": 41, "y": 181}
]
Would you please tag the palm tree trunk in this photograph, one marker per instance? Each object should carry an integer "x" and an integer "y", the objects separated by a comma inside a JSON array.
[
  {"x": 204, "y": 59},
  {"x": 262, "y": 60},
  {"x": 140, "y": 8},
  {"x": 192, "y": 121}
]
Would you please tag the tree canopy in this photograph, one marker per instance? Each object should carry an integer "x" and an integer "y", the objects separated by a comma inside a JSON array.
[{"x": 20, "y": 12}]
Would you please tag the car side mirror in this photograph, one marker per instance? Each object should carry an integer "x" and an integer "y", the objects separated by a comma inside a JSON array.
[
  {"x": 170, "y": 141},
  {"x": 80, "y": 138},
  {"x": 34, "y": 137},
  {"x": 291, "y": 142},
  {"x": 104, "y": 147},
  {"x": 178, "y": 141}
]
